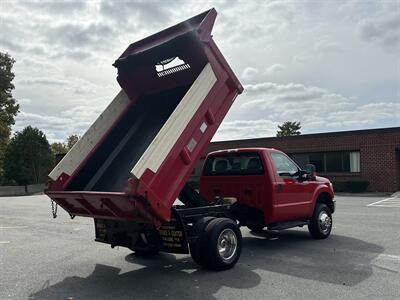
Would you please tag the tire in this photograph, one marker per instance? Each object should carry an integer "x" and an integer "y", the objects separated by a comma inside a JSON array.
[
  {"x": 195, "y": 248},
  {"x": 320, "y": 225},
  {"x": 221, "y": 244}
]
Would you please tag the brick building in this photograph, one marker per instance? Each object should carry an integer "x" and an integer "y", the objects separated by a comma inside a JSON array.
[{"x": 363, "y": 155}]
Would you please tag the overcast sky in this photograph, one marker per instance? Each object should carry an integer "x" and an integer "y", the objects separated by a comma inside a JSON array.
[{"x": 332, "y": 65}]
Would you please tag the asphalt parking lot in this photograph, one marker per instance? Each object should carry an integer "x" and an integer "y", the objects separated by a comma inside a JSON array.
[{"x": 45, "y": 258}]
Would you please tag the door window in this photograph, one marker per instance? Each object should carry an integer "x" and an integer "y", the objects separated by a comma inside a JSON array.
[{"x": 284, "y": 165}]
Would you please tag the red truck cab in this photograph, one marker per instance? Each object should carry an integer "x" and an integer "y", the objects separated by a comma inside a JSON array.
[{"x": 270, "y": 189}]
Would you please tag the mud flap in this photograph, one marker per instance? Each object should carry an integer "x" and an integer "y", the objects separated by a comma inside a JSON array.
[
  {"x": 117, "y": 233},
  {"x": 100, "y": 230},
  {"x": 173, "y": 235}
]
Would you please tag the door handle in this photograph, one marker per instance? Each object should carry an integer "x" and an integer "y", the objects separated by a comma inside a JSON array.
[{"x": 280, "y": 188}]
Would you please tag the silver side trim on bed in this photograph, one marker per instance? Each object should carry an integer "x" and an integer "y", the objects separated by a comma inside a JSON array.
[{"x": 91, "y": 137}]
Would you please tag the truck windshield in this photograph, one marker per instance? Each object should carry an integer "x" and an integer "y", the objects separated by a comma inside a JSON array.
[{"x": 234, "y": 164}]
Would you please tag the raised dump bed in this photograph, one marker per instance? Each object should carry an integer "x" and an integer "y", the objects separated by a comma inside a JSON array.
[{"x": 134, "y": 160}]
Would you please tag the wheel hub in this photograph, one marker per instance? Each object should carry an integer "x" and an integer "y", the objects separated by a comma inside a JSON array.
[
  {"x": 227, "y": 244},
  {"x": 325, "y": 222}
]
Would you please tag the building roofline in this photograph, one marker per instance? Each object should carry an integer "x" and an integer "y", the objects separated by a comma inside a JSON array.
[{"x": 323, "y": 134}]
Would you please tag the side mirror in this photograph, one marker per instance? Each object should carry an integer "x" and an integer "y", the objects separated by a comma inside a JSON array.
[{"x": 311, "y": 172}]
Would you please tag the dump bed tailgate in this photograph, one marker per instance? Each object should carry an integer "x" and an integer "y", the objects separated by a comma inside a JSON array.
[{"x": 104, "y": 205}]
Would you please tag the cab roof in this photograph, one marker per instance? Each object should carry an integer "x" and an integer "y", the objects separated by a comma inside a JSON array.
[{"x": 241, "y": 150}]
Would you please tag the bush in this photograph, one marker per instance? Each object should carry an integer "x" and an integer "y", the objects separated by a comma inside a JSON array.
[{"x": 350, "y": 186}]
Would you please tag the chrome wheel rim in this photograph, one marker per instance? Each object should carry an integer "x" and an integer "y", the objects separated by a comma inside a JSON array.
[
  {"x": 325, "y": 222},
  {"x": 227, "y": 244}
]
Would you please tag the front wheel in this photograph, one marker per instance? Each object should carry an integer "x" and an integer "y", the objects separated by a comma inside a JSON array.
[{"x": 320, "y": 225}]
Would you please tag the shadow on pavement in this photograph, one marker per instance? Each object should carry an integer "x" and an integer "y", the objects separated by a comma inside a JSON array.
[
  {"x": 163, "y": 276},
  {"x": 339, "y": 260}
]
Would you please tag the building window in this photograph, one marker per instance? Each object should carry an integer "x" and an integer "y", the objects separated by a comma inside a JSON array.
[
  {"x": 354, "y": 162},
  {"x": 335, "y": 162},
  {"x": 330, "y": 162},
  {"x": 317, "y": 159}
]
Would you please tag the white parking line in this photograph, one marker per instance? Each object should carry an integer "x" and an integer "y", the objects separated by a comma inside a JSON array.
[
  {"x": 4, "y": 242},
  {"x": 389, "y": 257},
  {"x": 13, "y": 227},
  {"x": 388, "y": 202},
  {"x": 387, "y": 262}
]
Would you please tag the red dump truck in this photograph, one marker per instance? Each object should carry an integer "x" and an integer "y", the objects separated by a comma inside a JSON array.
[{"x": 134, "y": 161}]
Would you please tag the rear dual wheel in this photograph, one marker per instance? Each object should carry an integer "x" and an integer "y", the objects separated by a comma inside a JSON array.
[
  {"x": 196, "y": 248},
  {"x": 219, "y": 243}
]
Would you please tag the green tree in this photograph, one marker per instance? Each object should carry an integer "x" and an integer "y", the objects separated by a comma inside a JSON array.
[
  {"x": 59, "y": 148},
  {"x": 8, "y": 106},
  {"x": 71, "y": 141},
  {"x": 4, "y": 139},
  {"x": 289, "y": 128},
  {"x": 28, "y": 157},
  {"x": 63, "y": 148}
]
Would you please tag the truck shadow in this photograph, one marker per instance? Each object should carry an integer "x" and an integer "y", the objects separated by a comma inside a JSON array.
[
  {"x": 159, "y": 277},
  {"x": 338, "y": 260}
]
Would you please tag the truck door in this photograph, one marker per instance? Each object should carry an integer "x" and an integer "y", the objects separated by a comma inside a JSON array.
[{"x": 293, "y": 197}]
